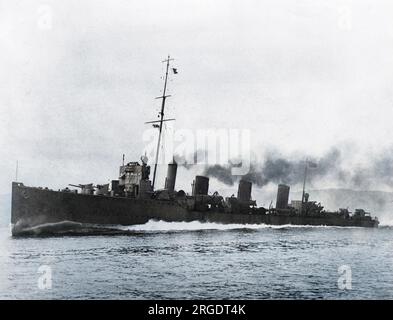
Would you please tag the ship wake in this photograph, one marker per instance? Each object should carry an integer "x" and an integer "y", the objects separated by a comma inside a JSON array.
[
  {"x": 164, "y": 226},
  {"x": 66, "y": 228},
  {"x": 71, "y": 228}
]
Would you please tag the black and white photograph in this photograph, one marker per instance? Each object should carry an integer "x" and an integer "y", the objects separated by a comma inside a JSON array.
[{"x": 196, "y": 150}]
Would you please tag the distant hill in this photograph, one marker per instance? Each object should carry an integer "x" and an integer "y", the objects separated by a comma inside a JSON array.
[
  {"x": 375, "y": 201},
  {"x": 5, "y": 209},
  {"x": 378, "y": 203}
]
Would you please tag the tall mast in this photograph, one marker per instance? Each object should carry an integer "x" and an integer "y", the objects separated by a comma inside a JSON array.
[
  {"x": 304, "y": 181},
  {"x": 16, "y": 171},
  {"x": 163, "y": 97}
]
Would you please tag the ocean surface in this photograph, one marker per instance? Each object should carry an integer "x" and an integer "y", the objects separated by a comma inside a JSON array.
[{"x": 194, "y": 260}]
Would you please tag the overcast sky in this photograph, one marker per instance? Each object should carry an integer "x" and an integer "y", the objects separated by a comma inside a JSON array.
[{"x": 78, "y": 79}]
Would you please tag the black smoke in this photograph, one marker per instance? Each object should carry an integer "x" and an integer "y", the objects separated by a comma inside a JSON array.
[{"x": 277, "y": 168}]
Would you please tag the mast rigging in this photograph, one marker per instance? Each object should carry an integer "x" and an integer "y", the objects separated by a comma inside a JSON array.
[{"x": 161, "y": 114}]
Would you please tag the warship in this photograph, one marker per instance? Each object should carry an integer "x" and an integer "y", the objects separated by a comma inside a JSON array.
[{"x": 132, "y": 199}]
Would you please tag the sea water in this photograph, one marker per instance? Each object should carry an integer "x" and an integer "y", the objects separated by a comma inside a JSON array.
[{"x": 161, "y": 260}]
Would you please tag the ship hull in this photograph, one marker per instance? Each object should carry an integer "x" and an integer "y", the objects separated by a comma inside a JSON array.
[{"x": 35, "y": 206}]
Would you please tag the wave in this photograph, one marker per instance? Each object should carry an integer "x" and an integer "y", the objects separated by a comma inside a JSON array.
[
  {"x": 66, "y": 228},
  {"x": 158, "y": 225},
  {"x": 152, "y": 226}
]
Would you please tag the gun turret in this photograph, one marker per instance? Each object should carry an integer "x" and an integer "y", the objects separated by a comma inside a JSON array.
[
  {"x": 85, "y": 188},
  {"x": 75, "y": 185}
]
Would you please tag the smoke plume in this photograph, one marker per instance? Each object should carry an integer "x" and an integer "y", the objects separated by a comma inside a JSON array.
[{"x": 376, "y": 173}]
